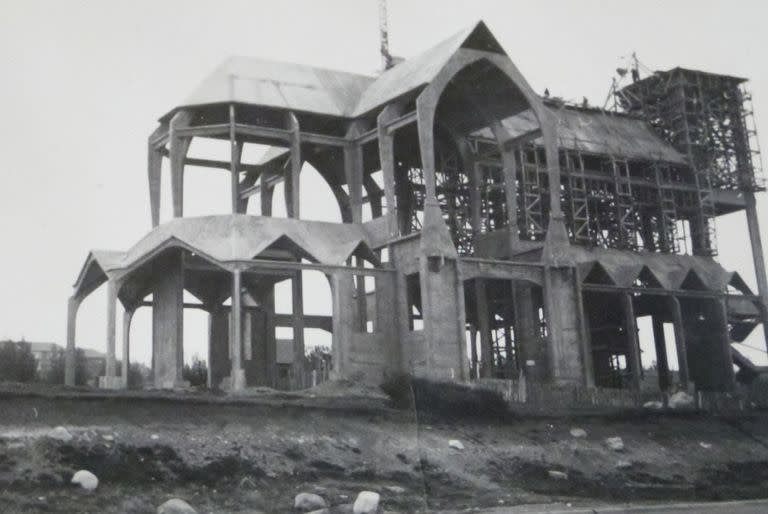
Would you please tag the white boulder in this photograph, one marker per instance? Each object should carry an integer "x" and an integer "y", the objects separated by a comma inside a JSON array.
[
  {"x": 60, "y": 434},
  {"x": 680, "y": 399},
  {"x": 557, "y": 475},
  {"x": 306, "y": 502},
  {"x": 456, "y": 444},
  {"x": 615, "y": 443},
  {"x": 176, "y": 506},
  {"x": 656, "y": 405},
  {"x": 578, "y": 433},
  {"x": 367, "y": 502},
  {"x": 86, "y": 480}
]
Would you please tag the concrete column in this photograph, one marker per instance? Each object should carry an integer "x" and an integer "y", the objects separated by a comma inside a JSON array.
[
  {"x": 219, "y": 364},
  {"x": 426, "y": 119},
  {"x": 660, "y": 342},
  {"x": 69, "y": 358},
  {"x": 510, "y": 190},
  {"x": 721, "y": 318},
  {"x": 387, "y": 159},
  {"x": 292, "y": 190},
  {"x": 297, "y": 297},
  {"x": 353, "y": 172},
  {"x": 154, "y": 166},
  {"x": 473, "y": 350},
  {"x": 266, "y": 196},
  {"x": 168, "y": 321},
  {"x": 110, "y": 375},
  {"x": 178, "y": 147},
  {"x": 127, "y": 318},
  {"x": 238, "y": 375},
  {"x": 682, "y": 351},
  {"x": 630, "y": 327},
  {"x": 758, "y": 257},
  {"x": 236, "y": 152},
  {"x": 483, "y": 323}
]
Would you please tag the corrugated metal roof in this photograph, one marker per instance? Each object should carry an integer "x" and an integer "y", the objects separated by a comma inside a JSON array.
[{"x": 600, "y": 132}]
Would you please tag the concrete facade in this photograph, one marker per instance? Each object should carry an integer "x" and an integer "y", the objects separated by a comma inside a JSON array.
[{"x": 487, "y": 232}]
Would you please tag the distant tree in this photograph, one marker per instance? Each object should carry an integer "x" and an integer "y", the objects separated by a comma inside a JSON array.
[
  {"x": 196, "y": 373},
  {"x": 56, "y": 371},
  {"x": 17, "y": 363}
]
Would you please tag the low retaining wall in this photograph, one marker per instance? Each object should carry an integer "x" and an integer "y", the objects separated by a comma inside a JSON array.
[{"x": 569, "y": 397}]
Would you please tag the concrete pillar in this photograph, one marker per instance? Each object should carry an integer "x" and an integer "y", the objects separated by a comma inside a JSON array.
[
  {"x": 177, "y": 149},
  {"x": 127, "y": 318},
  {"x": 510, "y": 190},
  {"x": 758, "y": 257},
  {"x": 633, "y": 345},
  {"x": 387, "y": 159},
  {"x": 680, "y": 346},
  {"x": 484, "y": 327},
  {"x": 238, "y": 374},
  {"x": 297, "y": 297},
  {"x": 292, "y": 190},
  {"x": 660, "y": 342},
  {"x": 69, "y": 358},
  {"x": 168, "y": 321},
  {"x": 564, "y": 331},
  {"x": 353, "y": 172},
  {"x": 219, "y": 364},
  {"x": 724, "y": 336},
  {"x": 236, "y": 151},
  {"x": 154, "y": 166},
  {"x": 110, "y": 375},
  {"x": 266, "y": 193}
]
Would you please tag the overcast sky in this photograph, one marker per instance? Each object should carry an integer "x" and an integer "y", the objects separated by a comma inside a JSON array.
[{"x": 82, "y": 83}]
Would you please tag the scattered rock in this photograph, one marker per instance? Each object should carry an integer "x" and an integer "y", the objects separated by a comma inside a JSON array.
[
  {"x": 367, "y": 502},
  {"x": 176, "y": 506},
  {"x": 557, "y": 475},
  {"x": 706, "y": 446},
  {"x": 656, "y": 405},
  {"x": 154, "y": 437},
  {"x": 578, "y": 432},
  {"x": 623, "y": 464},
  {"x": 86, "y": 480},
  {"x": 456, "y": 444},
  {"x": 108, "y": 437},
  {"x": 615, "y": 443},
  {"x": 307, "y": 502},
  {"x": 680, "y": 399},
  {"x": 60, "y": 434},
  {"x": 320, "y": 511},
  {"x": 395, "y": 489}
]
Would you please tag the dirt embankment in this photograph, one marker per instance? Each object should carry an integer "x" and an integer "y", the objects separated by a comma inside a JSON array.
[{"x": 256, "y": 457}]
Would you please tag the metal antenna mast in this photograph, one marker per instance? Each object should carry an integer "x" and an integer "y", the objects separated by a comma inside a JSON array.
[{"x": 386, "y": 58}]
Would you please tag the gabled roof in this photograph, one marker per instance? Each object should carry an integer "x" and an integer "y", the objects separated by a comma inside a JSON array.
[
  {"x": 282, "y": 85},
  {"x": 599, "y": 132},
  {"x": 303, "y": 88},
  {"x": 420, "y": 70}
]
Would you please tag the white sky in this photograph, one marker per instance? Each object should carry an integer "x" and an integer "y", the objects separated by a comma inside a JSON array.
[{"x": 83, "y": 82}]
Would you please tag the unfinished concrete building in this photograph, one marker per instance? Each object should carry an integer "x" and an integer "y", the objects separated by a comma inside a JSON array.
[{"x": 487, "y": 231}]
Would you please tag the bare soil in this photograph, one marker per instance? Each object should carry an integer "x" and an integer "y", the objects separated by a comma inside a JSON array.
[{"x": 256, "y": 452}]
